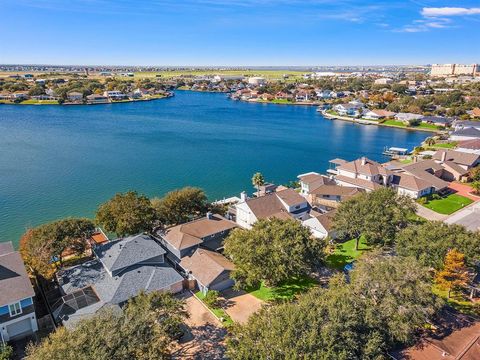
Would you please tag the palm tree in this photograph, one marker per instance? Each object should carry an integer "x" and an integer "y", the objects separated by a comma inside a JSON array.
[
  {"x": 430, "y": 141},
  {"x": 257, "y": 181}
]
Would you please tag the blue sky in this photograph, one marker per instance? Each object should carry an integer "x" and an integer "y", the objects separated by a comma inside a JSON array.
[{"x": 239, "y": 32}]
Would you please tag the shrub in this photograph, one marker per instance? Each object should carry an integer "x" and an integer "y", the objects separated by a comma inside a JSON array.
[{"x": 211, "y": 299}]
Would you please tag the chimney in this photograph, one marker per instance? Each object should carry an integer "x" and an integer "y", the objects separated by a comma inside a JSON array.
[
  {"x": 209, "y": 215},
  {"x": 364, "y": 160},
  {"x": 243, "y": 196},
  {"x": 444, "y": 156}
]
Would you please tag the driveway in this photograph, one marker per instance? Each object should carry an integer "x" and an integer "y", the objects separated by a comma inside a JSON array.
[
  {"x": 464, "y": 190},
  {"x": 240, "y": 305},
  {"x": 428, "y": 214},
  {"x": 468, "y": 217},
  {"x": 204, "y": 338}
]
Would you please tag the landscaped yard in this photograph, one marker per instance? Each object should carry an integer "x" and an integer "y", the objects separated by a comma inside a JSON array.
[
  {"x": 345, "y": 253},
  {"x": 449, "y": 204},
  {"x": 394, "y": 123},
  {"x": 219, "y": 312},
  {"x": 449, "y": 145},
  {"x": 285, "y": 291},
  {"x": 458, "y": 301}
]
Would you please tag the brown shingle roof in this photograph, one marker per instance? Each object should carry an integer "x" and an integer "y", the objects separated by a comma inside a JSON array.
[
  {"x": 457, "y": 157},
  {"x": 189, "y": 234},
  {"x": 326, "y": 219},
  {"x": 473, "y": 144},
  {"x": 335, "y": 190},
  {"x": 365, "y": 184},
  {"x": 265, "y": 206},
  {"x": 290, "y": 197},
  {"x": 410, "y": 182},
  {"x": 364, "y": 166},
  {"x": 15, "y": 284},
  {"x": 206, "y": 265}
]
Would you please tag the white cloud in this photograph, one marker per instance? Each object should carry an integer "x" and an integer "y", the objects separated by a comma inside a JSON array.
[
  {"x": 449, "y": 11},
  {"x": 425, "y": 25}
]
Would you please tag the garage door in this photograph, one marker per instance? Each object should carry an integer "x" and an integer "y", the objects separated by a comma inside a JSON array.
[{"x": 19, "y": 328}]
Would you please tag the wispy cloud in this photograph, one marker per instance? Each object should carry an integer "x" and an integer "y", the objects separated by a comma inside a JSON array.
[
  {"x": 449, "y": 11},
  {"x": 437, "y": 18}
]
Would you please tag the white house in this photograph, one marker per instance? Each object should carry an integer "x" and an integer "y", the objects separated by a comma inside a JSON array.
[
  {"x": 320, "y": 225},
  {"x": 283, "y": 204}
]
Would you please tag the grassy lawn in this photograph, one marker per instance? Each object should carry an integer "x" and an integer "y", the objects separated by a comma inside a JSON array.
[
  {"x": 406, "y": 161},
  {"x": 285, "y": 291},
  {"x": 394, "y": 123},
  {"x": 427, "y": 126},
  {"x": 276, "y": 101},
  {"x": 449, "y": 145},
  {"x": 219, "y": 312},
  {"x": 449, "y": 204},
  {"x": 39, "y": 102},
  {"x": 345, "y": 253},
  {"x": 458, "y": 301}
]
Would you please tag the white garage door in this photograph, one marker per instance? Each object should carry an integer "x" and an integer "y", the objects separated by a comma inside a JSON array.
[{"x": 18, "y": 328}]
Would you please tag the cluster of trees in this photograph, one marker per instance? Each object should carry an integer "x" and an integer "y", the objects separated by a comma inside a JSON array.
[
  {"x": 43, "y": 246},
  {"x": 386, "y": 301},
  {"x": 144, "y": 330},
  {"x": 130, "y": 213},
  {"x": 272, "y": 251}
]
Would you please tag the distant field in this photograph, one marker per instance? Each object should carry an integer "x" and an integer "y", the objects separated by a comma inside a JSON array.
[{"x": 268, "y": 74}]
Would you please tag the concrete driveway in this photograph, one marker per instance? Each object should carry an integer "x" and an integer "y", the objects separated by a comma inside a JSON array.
[
  {"x": 204, "y": 338},
  {"x": 240, "y": 305},
  {"x": 428, "y": 214}
]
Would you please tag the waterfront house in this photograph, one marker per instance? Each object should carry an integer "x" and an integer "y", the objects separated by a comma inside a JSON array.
[
  {"x": 182, "y": 240},
  {"x": 430, "y": 171},
  {"x": 283, "y": 204},
  {"x": 74, "y": 96},
  {"x": 353, "y": 110},
  {"x": 378, "y": 114},
  {"x": 97, "y": 99},
  {"x": 115, "y": 95},
  {"x": 121, "y": 269},
  {"x": 209, "y": 269},
  {"x": 17, "y": 312},
  {"x": 329, "y": 196},
  {"x": 437, "y": 120},
  {"x": 311, "y": 181},
  {"x": 20, "y": 95},
  {"x": 408, "y": 118},
  {"x": 323, "y": 94},
  {"x": 362, "y": 173},
  {"x": 412, "y": 186},
  {"x": 468, "y": 133}
]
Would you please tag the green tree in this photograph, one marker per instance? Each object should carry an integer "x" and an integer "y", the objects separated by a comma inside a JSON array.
[
  {"x": 453, "y": 275},
  {"x": 126, "y": 214},
  {"x": 429, "y": 243},
  {"x": 476, "y": 187},
  {"x": 40, "y": 245},
  {"x": 362, "y": 319},
  {"x": 181, "y": 205},
  {"x": 257, "y": 181},
  {"x": 6, "y": 352},
  {"x": 377, "y": 215},
  {"x": 272, "y": 251},
  {"x": 475, "y": 173},
  {"x": 144, "y": 330}
]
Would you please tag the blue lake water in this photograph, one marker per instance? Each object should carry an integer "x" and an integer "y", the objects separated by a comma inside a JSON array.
[{"x": 58, "y": 161}]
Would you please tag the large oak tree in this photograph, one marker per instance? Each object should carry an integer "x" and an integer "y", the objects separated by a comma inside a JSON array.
[{"x": 272, "y": 251}]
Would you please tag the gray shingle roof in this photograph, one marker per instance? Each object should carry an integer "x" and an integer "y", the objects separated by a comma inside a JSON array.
[
  {"x": 119, "y": 254},
  {"x": 14, "y": 282}
]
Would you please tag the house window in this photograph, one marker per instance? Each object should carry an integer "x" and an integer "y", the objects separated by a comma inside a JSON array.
[{"x": 15, "y": 309}]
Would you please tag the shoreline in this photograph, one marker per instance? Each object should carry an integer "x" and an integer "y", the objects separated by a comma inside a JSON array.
[
  {"x": 372, "y": 122},
  {"x": 79, "y": 104}
]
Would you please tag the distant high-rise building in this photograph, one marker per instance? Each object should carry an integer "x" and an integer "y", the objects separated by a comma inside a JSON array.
[{"x": 454, "y": 69}]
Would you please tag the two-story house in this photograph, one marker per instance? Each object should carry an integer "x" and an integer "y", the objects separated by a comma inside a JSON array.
[
  {"x": 362, "y": 173},
  {"x": 283, "y": 204},
  {"x": 17, "y": 312},
  {"x": 182, "y": 240},
  {"x": 121, "y": 269}
]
